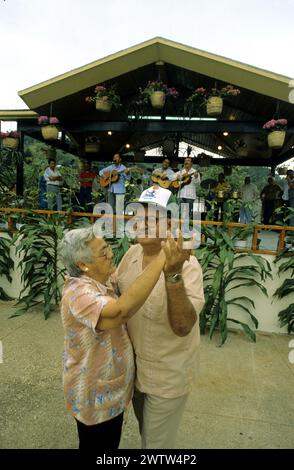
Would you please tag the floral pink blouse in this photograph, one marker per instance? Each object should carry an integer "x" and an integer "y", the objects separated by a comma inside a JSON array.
[{"x": 98, "y": 366}]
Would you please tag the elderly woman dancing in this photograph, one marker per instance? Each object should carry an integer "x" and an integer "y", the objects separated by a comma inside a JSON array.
[{"x": 98, "y": 358}]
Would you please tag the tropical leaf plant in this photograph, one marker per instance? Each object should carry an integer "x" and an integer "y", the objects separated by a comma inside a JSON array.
[
  {"x": 6, "y": 265},
  {"x": 223, "y": 274},
  {"x": 286, "y": 257},
  {"x": 42, "y": 275}
]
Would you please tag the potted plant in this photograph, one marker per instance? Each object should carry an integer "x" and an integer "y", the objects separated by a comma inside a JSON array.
[
  {"x": 92, "y": 144},
  {"x": 195, "y": 101},
  {"x": 157, "y": 91},
  {"x": 277, "y": 132},
  {"x": 214, "y": 103},
  {"x": 10, "y": 139},
  {"x": 49, "y": 129},
  {"x": 104, "y": 98}
]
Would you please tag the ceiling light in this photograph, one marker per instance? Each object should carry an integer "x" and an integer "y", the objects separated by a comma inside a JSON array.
[
  {"x": 109, "y": 133},
  {"x": 127, "y": 146}
]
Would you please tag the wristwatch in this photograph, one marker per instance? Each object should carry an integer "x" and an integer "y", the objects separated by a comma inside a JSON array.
[{"x": 174, "y": 278}]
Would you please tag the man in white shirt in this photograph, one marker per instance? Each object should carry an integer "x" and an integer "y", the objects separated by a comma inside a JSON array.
[
  {"x": 288, "y": 195},
  {"x": 249, "y": 194},
  {"x": 188, "y": 179},
  {"x": 165, "y": 335},
  {"x": 53, "y": 183}
]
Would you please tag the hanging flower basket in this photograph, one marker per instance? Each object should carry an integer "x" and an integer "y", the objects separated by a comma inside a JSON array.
[
  {"x": 276, "y": 139},
  {"x": 92, "y": 144},
  {"x": 92, "y": 147},
  {"x": 214, "y": 105},
  {"x": 157, "y": 99},
  {"x": 49, "y": 132},
  {"x": 204, "y": 160},
  {"x": 10, "y": 143},
  {"x": 104, "y": 106},
  {"x": 49, "y": 129},
  {"x": 242, "y": 152}
]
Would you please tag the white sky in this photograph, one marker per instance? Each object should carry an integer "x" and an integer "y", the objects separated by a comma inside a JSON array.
[{"x": 43, "y": 38}]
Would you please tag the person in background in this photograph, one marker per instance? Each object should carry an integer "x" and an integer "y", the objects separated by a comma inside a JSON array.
[
  {"x": 222, "y": 187},
  {"x": 165, "y": 171},
  {"x": 53, "y": 184},
  {"x": 288, "y": 196},
  {"x": 117, "y": 190},
  {"x": 249, "y": 194},
  {"x": 87, "y": 177},
  {"x": 98, "y": 364},
  {"x": 42, "y": 193},
  {"x": 187, "y": 193},
  {"x": 165, "y": 331},
  {"x": 270, "y": 196}
]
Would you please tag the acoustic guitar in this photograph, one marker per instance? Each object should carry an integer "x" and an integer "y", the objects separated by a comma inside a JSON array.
[
  {"x": 162, "y": 180},
  {"x": 183, "y": 180},
  {"x": 108, "y": 178}
]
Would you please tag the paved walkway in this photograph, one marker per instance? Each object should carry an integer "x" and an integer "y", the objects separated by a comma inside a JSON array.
[{"x": 244, "y": 398}]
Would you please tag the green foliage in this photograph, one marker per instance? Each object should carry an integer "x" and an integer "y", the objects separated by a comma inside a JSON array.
[
  {"x": 6, "y": 265},
  {"x": 286, "y": 316},
  {"x": 119, "y": 247},
  {"x": 222, "y": 274},
  {"x": 37, "y": 243}
]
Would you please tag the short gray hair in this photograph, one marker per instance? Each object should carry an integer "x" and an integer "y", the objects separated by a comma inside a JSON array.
[{"x": 74, "y": 247}]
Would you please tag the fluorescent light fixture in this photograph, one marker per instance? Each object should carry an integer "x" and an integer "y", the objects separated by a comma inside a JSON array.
[{"x": 175, "y": 118}]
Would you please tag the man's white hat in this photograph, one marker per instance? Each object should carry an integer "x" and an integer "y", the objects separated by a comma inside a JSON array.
[{"x": 156, "y": 195}]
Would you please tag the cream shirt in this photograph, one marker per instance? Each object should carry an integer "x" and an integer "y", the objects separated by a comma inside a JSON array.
[
  {"x": 167, "y": 365},
  {"x": 189, "y": 190}
]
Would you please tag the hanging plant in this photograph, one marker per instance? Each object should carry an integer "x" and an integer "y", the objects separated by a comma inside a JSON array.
[
  {"x": 49, "y": 129},
  {"x": 157, "y": 91}
]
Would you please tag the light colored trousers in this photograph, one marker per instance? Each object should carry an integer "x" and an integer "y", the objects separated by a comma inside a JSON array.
[
  {"x": 117, "y": 202},
  {"x": 54, "y": 195},
  {"x": 159, "y": 419}
]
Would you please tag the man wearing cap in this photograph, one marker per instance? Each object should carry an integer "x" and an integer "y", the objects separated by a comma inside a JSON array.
[
  {"x": 288, "y": 193},
  {"x": 165, "y": 332}
]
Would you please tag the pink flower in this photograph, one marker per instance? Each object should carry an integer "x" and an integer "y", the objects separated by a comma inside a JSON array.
[
  {"x": 283, "y": 122},
  {"x": 104, "y": 98},
  {"x": 99, "y": 88},
  {"x": 43, "y": 120},
  {"x": 53, "y": 120},
  {"x": 276, "y": 124}
]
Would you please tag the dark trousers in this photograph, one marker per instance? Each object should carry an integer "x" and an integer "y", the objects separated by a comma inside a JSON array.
[
  {"x": 218, "y": 206},
  {"x": 100, "y": 436},
  {"x": 86, "y": 198},
  {"x": 268, "y": 210}
]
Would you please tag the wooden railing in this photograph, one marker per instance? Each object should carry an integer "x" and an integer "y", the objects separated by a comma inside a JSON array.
[{"x": 69, "y": 217}]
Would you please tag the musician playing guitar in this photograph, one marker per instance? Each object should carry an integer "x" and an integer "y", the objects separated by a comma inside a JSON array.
[
  {"x": 187, "y": 178},
  {"x": 116, "y": 174},
  {"x": 163, "y": 176}
]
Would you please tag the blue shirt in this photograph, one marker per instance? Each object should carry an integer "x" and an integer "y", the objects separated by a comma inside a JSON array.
[{"x": 119, "y": 186}]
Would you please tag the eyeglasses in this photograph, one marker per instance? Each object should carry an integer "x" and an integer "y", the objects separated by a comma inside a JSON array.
[{"x": 106, "y": 253}]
